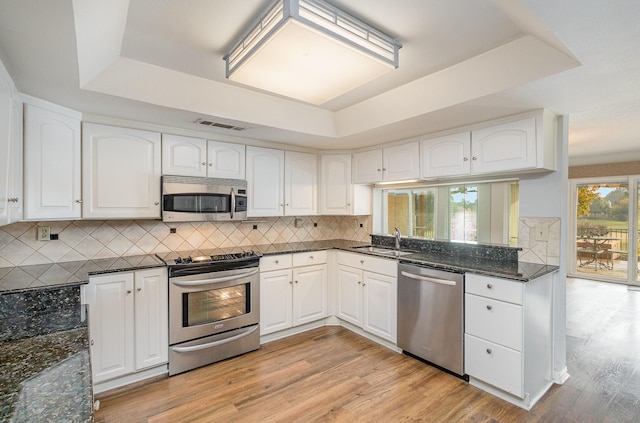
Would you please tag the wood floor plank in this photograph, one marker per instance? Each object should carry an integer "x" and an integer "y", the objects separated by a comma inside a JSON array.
[{"x": 333, "y": 375}]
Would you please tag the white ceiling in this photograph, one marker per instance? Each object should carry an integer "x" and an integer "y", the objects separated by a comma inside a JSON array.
[{"x": 462, "y": 61}]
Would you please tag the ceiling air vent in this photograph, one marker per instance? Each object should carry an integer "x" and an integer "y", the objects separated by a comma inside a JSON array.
[{"x": 219, "y": 125}]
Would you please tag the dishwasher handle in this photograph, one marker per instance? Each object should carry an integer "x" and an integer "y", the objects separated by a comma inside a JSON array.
[{"x": 428, "y": 279}]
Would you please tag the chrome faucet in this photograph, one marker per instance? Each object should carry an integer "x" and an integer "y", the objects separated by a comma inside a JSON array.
[{"x": 396, "y": 233}]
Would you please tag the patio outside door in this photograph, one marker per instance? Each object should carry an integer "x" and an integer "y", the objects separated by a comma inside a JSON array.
[{"x": 605, "y": 229}]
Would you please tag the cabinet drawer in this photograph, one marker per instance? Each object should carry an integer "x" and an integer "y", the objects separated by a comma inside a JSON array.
[
  {"x": 499, "y": 289},
  {"x": 494, "y": 364},
  {"x": 369, "y": 263},
  {"x": 495, "y": 321},
  {"x": 309, "y": 258},
  {"x": 282, "y": 261}
]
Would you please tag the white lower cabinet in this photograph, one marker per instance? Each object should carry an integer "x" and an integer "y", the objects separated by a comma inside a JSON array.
[
  {"x": 293, "y": 290},
  {"x": 367, "y": 298},
  {"x": 128, "y": 322},
  {"x": 508, "y": 337}
]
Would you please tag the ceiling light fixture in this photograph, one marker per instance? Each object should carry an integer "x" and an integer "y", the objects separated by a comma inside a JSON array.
[{"x": 311, "y": 51}]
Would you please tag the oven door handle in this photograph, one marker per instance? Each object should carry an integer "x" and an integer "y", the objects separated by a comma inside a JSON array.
[
  {"x": 199, "y": 282},
  {"x": 214, "y": 343}
]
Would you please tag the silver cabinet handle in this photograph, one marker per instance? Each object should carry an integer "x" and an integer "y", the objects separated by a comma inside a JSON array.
[
  {"x": 359, "y": 282},
  {"x": 204, "y": 163},
  {"x": 489, "y": 285},
  {"x": 79, "y": 201},
  {"x": 489, "y": 307},
  {"x": 296, "y": 281},
  {"x": 310, "y": 257},
  {"x": 428, "y": 279},
  {"x": 474, "y": 158},
  {"x": 128, "y": 291},
  {"x": 157, "y": 203},
  {"x": 139, "y": 289},
  {"x": 210, "y": 164},
  {"x": 489, "y": 350},
  {"x": 277, "y": 261},
  {"x": 466, "y": 159},
  {"x": 361, "y": 261},
  {"x": 290, "y": 282}
]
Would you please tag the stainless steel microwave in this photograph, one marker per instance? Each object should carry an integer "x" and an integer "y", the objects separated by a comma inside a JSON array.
[{"x": 193, "y": 199}]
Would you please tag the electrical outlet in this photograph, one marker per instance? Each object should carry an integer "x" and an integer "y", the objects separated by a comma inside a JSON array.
[
  {"x": 43, "y": 233},
  {"x": 541, "y": 232},
  {"x": 297, "y": 223}
]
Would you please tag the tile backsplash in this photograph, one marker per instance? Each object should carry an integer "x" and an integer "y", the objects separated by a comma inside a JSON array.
[
  {"x": 94, "y": 239},
  {"x": 543, "y": 252}
]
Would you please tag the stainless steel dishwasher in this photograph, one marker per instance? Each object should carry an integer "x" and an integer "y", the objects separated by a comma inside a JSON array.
[{"x": 431, "y": 316}]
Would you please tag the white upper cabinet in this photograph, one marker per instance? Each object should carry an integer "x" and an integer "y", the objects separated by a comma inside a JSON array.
[
  {"x": 51, "y": 163},
  {"x": 367, "y": 167},
  {"x": 225, "y": 160},
  {"x": 525, "y": 144},
  {"x": 446, "y": 156},
  {"x": 401, "y": 162},
  {"x": 338, "y": 196},
  {"x": 301, "y": 184},
  {"x": 397, "y": 163},
  {"x": 504, "y": 147},
  {"x": 281, "y": 183},
  {"x": 185, "y": 156},
  {"x": 120, "y": 173},
  {"x": 10, "y": 151},
  {"x": 265, "y": 180}
]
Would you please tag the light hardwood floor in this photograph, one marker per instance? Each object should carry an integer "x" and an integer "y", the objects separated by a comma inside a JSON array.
[{"x": 333, "y": 375}]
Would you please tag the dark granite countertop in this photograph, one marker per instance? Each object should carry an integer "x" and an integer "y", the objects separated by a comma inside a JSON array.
[
  {"x": 47, "y": 377},
  {"x": 518, "y": 271},
  {"x": 38, "y": 276}
]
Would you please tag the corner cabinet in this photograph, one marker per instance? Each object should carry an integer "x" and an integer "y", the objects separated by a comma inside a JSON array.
[
  {"x": 121, "y": 172},
  {"x": 523, "y": 144},
  {"x": 293, "y": 290},
  {"x": 508, "y": 337},
  {"x": 397, "y": 163},
  {"x": 338, "y": 196},
  {"x": 51, "y": 163},
  {"x": 367, "y": 293},
  {"x": 128, "y": 323}
]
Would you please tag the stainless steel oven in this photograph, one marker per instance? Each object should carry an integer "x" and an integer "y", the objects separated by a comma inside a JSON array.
[{"x": 214, "y": 309}]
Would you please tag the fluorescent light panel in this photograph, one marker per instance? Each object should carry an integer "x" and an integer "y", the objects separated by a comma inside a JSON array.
[{"x": 311, "y": 51}]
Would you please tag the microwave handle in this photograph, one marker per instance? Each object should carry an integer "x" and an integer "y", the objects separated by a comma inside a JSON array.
[{"x": 233, "y": 202}]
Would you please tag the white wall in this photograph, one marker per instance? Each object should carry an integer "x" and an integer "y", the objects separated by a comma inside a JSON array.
[{"x": 546, "y": 195}]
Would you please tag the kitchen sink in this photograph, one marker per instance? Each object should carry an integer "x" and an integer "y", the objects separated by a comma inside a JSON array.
[{"x": 384, "y": 251}]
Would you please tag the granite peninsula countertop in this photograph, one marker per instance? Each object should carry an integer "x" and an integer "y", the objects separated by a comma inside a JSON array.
[
  {"x": 37, "y": 276},
  {"x": 47, "y": 377}
]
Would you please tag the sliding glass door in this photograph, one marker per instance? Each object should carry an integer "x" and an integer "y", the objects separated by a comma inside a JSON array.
[{"x": 604, "y": 229}]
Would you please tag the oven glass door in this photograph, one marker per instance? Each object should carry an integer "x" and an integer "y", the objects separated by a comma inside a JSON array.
[
  {"x": 205, "y": 304},
  {"x": 213, "y": 305}
]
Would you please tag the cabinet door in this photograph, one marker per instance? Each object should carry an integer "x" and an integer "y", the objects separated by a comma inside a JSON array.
[
  {"x": 225, "y": 160},
  {"x": 265, "y": 179},
  {"x": 52, "y": 164},
  {"x": 309, "y": 294},
  {"x": 335, "y": 184},
  {"x": 151, "y": 318},
  {"x": 510, "y": 146},
  {"x": 121, "y": 172},
  {"x": 349, "y": 294},
  {"x": 380, "y": 305},
  {"x": 276, "y": 298},
  {"x": 367, "y": 167},
  {"x": 401, "y": 162},
  {"x": 111, "y": 307},
  {"x": 10, "y": 151},
  {"x": 184, "y": 156},
  {"x": 301, "y": 184},
  {"x": 446, "y": 156}
]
